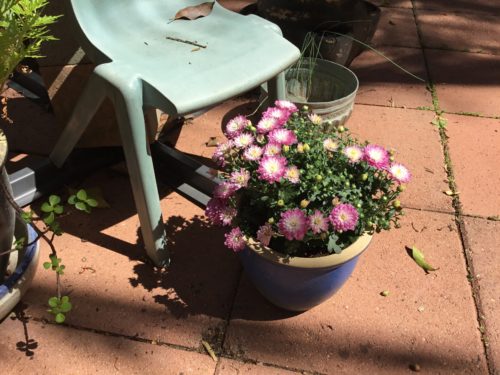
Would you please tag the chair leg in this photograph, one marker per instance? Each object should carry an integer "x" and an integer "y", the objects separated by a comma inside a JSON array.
[
  {"x": 91, "y": 98},
  {"x": 130, "y": 115},
  {"x": 276, "y": 88}
]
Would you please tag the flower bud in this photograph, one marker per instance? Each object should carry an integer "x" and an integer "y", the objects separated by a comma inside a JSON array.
[
  {"x": 305, "y": 108},
  {"x": 300, "y": 148},
  {"x": 280, "y": 202},
  {"x": 270, "y": 220},
  {"x": 396, "y": 204},
  {"x": 364, "y": 176},
  {"x": 306, "y": 147},
  {"x": 341, "y": 129},
  {"x": 304, "y": 203},
  {"x": 319, "y": 177},
  {"x": 401, "y": 188},
  {"x": 286, "y": 148}
]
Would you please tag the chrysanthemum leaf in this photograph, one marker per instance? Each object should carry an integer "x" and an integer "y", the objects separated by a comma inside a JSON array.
[{"x": 418, "y": 257}]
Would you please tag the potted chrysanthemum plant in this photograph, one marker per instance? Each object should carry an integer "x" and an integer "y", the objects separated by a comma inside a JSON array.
[{"x": 302, "y": 205}]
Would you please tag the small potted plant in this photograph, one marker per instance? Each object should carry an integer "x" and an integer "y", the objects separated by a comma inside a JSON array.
[
  {"x": 23, "y": 28},
  {"x": 302, "y": 204}
]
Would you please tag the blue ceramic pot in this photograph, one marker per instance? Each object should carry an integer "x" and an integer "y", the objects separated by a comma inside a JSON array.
[
  {"x": 23, "y": 265},
  {"x": 295, "y": 283}
]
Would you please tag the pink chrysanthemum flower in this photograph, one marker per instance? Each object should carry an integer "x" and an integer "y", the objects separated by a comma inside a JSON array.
[
  {"x": 281, "y": 115},
  {"x": 285, "y": 104},
  {"x": 376, "y": 156},
  {"x": 283, "y": 137},
  {"x": 243, "y": 140},
  {"x": 315, "y": 118},
  {"x": 292, "y": 174},
  {"x": 253, "y": 153},
  {"x": 272, "y": 168},
  {"x": 293, "y": 224},
  {"x": 330, "y": 145},
  {"x": 272, "y": 149},
  {"x": 400, "y": 173},
  {"x": 220, "y": 153},
  {"x": 264, "y": 234},
  {"x": 353, "y": 153},
  {"x": 235, "y": 126},
  {"x": 234, "y": 240},
  {"x": 227, "y": 214},
  {"x": 214, "y": 209},
  {"x": 225, "y": 189},
  {"x": 318, "y": 223},
  {"x": 266, "y": 124},
  {"x": 344, "y": 217},
  {"x": 240, "y": 177}
]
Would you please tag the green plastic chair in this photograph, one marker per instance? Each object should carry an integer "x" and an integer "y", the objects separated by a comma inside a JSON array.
[{"x": 144, "y": 61}]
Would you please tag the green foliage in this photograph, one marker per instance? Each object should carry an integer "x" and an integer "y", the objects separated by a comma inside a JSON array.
[
  {"x": 54, "y": 264},
  {"x": 82, "y": 201},
  {"x": 52, "y": 207},
  {"x": 23, "y": 29},
  {"x": 59, "y": 307}
]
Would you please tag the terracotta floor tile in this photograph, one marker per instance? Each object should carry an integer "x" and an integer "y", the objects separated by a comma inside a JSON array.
[
  {"x": 358, "y": 331},
  {"x": 465, "y": 82},
  {"x": 63, "y": 350},
  {"x": 475, "y": 152},
  {"x": 484, "y": 6},
  {"x": 417, "y": 145},
  {"x": 232, "y": 367},
  {"x": 469, "y": 32},
  {"x": 396, "y": 27},
  {"x": 382, "y": 83},
  {"x": 112, "y": 289},
  {"x": 484, "y": 237}
]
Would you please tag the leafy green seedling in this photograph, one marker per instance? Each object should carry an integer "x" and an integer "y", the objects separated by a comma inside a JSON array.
[
  {"x": 54, "y": 264},
  {"x": 82, "y": 201},
  {"x": 59, "y": 307}
]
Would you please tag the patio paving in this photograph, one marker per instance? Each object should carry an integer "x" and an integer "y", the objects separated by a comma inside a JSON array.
[{"x": 130, "y": 318}]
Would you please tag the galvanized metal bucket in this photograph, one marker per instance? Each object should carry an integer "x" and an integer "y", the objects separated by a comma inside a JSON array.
[{"x": 326, "y": 87}]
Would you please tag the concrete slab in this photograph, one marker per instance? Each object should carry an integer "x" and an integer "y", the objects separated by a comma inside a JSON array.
[
  {"x": 475, "y": 151},
  {"x": 382, "y": 83},
  {"x": 468, "y": 32},
  {"x": 483, "y": 6},
  {"x": 232, "y": 367},
  {"x": 111, "y": 287},
  {"x": 397, "y": 28},
  {"x": 465, "y": 82},
  {"x": 417, "y": 145},
  {"x": 358, "y": 331},
  {"x": 66, "y": 350},
  {"x": 484, "y": 237}
]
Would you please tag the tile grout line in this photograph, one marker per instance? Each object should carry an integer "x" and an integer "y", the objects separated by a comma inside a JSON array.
[
  {"x": 143, "y": 340},
  {"x": 473, "y": 282},
  {"x": 227, "y": 321}
]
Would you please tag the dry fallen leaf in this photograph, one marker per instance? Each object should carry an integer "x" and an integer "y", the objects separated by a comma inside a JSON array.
[
  {"x": 194, "y": 12},
  {"x": 209, "y": 350},
  {"x": 212, "y": 142},
  {"x": 450, "y": 193}
]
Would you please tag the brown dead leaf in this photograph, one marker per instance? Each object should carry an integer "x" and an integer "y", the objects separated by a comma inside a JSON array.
[{"x": 194, "y": 12}]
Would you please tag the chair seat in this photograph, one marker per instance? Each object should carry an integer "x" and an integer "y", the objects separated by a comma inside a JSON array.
[{"x": 239, "y": 51}]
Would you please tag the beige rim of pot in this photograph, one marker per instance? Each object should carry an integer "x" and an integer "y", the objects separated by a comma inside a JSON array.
[
  {"x": 3, "y": 148},
  {"x": 327, "y": 261}
]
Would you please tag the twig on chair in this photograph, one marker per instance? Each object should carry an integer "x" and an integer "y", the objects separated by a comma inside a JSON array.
[{"x": 185, "y": 41}]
